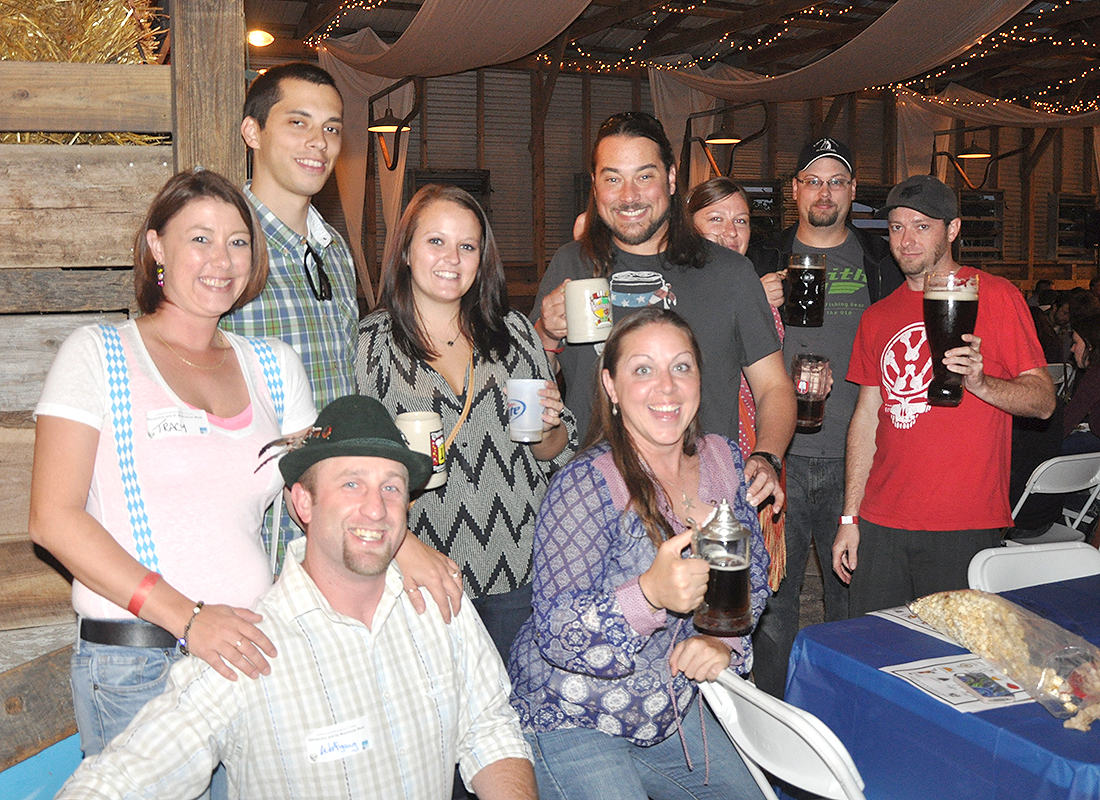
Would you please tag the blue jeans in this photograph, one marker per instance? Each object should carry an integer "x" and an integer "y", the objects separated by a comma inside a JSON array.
[
  {"x": 815, "y": 498},
  {"x": 110, "y": 686},
  {"x": 586, "y": 764},
  {"x": 503, "y": 615}
]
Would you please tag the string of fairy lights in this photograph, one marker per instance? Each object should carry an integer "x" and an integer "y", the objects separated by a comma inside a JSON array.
[{"x": 1024, "y": 33}]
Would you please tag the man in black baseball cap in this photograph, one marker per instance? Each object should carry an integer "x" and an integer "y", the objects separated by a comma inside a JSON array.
[
  {"x": 924, "y": 193},
  {"x": 368, "y": 697},
  {"x": 928, "y": 485},
  {"x": 859, "y": 271}
]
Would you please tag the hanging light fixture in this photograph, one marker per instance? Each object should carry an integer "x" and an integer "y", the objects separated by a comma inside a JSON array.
[
  {"x": 974, "y": 151},
  {"x": 388, "y": 123},
  {"x": 723, "y": 136}
]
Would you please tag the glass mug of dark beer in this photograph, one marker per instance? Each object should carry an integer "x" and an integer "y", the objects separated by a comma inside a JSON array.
[
  {"x": 805, "y": 304},
  {"x": 724, "y": 544},
  {"x": 810, "y": 374},
  {"x": 950, "y": 310}
]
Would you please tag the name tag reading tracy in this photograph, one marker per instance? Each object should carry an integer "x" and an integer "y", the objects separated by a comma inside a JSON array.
[
  {"x": 338, "y": 741},
  {"x": 174, "y": 421}
]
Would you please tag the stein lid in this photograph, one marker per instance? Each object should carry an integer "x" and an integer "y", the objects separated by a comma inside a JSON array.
[{"x": 724, "y": 526}]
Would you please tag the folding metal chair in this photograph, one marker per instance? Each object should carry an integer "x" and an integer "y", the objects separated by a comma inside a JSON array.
[
  {"x": 1000, "y": 569},
  {"x": 1065, "y": 475},
  {"x": 777, "y": 738}
]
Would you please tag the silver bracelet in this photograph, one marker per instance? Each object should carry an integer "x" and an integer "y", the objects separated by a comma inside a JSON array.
[{"x": 187, "y": 628}]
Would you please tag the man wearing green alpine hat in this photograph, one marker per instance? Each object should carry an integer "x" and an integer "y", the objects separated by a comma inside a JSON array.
[{"x": 368, "y": 698}]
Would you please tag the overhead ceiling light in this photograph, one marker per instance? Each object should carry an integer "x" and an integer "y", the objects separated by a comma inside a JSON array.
[
  {"x": 259, "y": 38},
  {"x": 723, "y": 136},
  {"x": 388, "y": 124}
]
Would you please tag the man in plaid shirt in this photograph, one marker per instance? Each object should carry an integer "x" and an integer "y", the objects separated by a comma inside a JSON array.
[{"x": 293, "y": 118}]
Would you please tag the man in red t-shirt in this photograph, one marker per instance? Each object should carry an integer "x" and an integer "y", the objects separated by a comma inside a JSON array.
[{"x": 926, "y": 486}]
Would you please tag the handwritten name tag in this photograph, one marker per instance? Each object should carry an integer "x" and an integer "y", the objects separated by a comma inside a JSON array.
[
  {"x": 174, "y": 421},
  {"x": 338, "y": 741}
]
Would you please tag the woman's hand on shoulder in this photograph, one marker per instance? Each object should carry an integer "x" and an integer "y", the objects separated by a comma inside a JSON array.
[
  {"x": 675, "y": 582},
  {"x": 222, "y": 634},
  {"x": 700, "y": 658},
  {"x": 424, "y": 567}
]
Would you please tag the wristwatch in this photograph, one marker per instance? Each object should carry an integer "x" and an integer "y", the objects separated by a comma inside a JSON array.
[{"x": 771, "y": 458}]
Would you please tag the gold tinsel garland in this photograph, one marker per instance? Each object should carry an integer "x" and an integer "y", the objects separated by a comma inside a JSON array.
[{"x": 81, "y": 31}]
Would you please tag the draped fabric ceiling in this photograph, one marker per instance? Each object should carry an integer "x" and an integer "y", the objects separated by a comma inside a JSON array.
[
  {"x": 446, "y": 37},
  {"x": 919, "y": 117},
  {"x": 911, "y": 37}
]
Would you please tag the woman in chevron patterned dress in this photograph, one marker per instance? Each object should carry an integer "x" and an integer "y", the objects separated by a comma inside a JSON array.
[
  {"x": 444, "y": 340},
  {"x": 144, "y": 482}
]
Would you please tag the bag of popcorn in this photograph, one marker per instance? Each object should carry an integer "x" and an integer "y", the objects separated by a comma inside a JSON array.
[{"x": 1058, "y": 668}]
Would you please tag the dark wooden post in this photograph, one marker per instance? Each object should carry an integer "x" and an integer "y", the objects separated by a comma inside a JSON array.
[
  {"x": 208, "y": 62},
  {"x": 542, "y": 91}
]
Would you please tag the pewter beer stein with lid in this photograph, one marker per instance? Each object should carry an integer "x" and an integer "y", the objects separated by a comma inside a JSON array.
[{"x": 724, "y": 543}]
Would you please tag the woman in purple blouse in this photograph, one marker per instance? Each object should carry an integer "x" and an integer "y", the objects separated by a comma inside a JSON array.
[{"x": 604, "y": 672}]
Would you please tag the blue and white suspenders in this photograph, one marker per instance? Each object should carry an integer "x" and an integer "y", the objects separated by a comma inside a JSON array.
[{"x": 118, "y": 391}]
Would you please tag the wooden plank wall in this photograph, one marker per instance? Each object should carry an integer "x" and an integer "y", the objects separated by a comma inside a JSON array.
[{"x": 68, "y": 217}]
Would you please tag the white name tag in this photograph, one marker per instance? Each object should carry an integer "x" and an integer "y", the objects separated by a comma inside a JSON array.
[
  {"x": 338, "y": 741},
  {"x": 173, "y": 421}
]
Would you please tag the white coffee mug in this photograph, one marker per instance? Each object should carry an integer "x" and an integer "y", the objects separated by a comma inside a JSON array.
[
  {"x": 424, "y": 432},
  {"x": 587, "y": 310},
  {"x": 524, "y": 409}
]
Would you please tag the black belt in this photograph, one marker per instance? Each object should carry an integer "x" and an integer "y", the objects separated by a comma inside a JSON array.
[{"x": 126, "y": 634}]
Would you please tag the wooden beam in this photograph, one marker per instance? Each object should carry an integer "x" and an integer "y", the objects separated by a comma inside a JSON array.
[
  {"x": 542, "y": 92},
  {"x": 317, "y": 16},
  {"x": 24, "y": 291},
  {"x": 1088, "y": 161},
  {"x": 890, "y": 138},
  {"x": 608, "y": 18},
  {"x": 208, "y": 48},
  {"x": 39, "y": 707},
  {"x": 75, "y": 206},
  {"x": 1027, "y": 225},
  {"x": 38, "y": 96},
  {"x": 479, "y": 112},
  {"x": 1030, "y": 160},
  {"x": 831, "y": 117},
  {"x": 760, "y": 15},
  {"x": 16, "y": 458},
  {"x": 30, "y": 344},
  {"x": 781, "y": 50}
]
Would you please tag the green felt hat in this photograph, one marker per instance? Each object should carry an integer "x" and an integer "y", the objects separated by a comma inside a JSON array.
[{"x": 355, "y": 425}]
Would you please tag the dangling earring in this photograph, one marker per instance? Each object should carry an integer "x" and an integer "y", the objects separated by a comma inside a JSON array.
[
  {"x": 160, "y": 275},
  {"x": 614, "y": 409}
]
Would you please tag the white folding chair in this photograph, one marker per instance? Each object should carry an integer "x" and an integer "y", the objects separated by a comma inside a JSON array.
[
  {"x": 775, "y": 737},
  {"x": 1064, "y": 475},
  {"x": 1000, "y": 569},
  {"x": 1062, "y": 375}
]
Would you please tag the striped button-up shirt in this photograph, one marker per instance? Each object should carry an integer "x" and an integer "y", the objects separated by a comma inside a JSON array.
[
  {"x": 347, "y": 711},
  {"x": 324, "y": 332}
]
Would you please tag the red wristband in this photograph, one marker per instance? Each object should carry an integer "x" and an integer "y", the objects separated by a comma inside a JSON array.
[
  {"x": 849, "y": 519},
  {"x": 141, "y": 593},
  {"x": 559, "y": 349}
]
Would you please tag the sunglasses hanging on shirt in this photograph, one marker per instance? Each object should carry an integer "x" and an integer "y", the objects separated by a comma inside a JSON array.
[{"x": 322, "y": 290}]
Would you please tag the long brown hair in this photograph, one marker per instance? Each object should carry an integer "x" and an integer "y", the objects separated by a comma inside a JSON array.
[
  {"x": 642, "y": 486},
  {"x": 683, "y": 246},
  {"x": 483, "y": 307}
]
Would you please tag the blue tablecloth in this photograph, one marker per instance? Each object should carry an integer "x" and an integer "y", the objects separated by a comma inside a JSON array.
[{"x": 909, "y": 746}]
